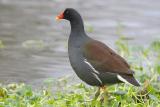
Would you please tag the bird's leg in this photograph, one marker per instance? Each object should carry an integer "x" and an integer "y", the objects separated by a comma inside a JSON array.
[
  {"x": 97, "y": 93},
  {"x": 105, "y": 95},
  {"x": 102, "y": 94}
]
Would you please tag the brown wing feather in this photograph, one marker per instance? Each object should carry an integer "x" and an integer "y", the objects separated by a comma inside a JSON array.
[{"x": 104, "y": 59}]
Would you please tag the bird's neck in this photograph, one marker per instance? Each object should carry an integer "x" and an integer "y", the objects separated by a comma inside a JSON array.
[{"x": 77, "y": 26}]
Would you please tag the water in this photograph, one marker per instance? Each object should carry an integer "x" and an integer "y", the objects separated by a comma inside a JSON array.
[{"x": 30, "y": 23}]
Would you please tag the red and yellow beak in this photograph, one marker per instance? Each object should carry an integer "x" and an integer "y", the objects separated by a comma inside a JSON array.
[{"x": 60, "y": 16}]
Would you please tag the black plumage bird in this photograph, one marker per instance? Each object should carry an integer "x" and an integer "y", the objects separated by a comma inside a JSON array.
[{"x": 94, "y": 62}]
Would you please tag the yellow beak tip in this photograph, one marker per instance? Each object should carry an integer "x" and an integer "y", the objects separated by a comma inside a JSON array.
[{"x": 57, "y": 18}]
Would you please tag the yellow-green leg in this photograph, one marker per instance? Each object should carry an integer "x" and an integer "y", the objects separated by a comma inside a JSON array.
[
  {"x": 102, "y": 94},
  {"x": 97, "y": 93}
]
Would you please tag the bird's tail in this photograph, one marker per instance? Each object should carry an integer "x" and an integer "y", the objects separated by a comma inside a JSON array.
[{"x": 130, "y": 79}]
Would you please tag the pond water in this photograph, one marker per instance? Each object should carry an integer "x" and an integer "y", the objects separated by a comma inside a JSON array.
[{"x": 36, "y": 45}]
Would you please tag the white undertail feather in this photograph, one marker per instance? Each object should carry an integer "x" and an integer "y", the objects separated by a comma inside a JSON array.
[{"x": 124, "y": 80}]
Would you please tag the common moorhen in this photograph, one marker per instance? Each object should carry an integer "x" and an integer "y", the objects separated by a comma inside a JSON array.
[{"x": 94, "y": 62}]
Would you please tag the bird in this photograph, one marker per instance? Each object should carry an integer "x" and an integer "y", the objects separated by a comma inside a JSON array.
[{"x": 94, "y": 62}]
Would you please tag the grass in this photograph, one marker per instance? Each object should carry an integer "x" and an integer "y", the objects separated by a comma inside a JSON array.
[{"x": 145, "y": 61}]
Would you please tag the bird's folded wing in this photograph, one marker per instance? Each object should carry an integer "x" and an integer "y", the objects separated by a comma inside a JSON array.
[{"x": 104, "y": 59}]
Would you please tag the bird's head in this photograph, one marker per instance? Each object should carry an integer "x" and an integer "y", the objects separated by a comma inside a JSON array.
[{"x": 68, "y": 14}]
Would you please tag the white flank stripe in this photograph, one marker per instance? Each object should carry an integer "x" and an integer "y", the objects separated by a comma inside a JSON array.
[
  {"x": 91, "y": 66},
  {"x": 97, "y": 77},
  {"x": 122, "y": 79}
]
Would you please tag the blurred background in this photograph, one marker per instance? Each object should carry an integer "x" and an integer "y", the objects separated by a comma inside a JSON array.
[{"x": 34, "y": 46}]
